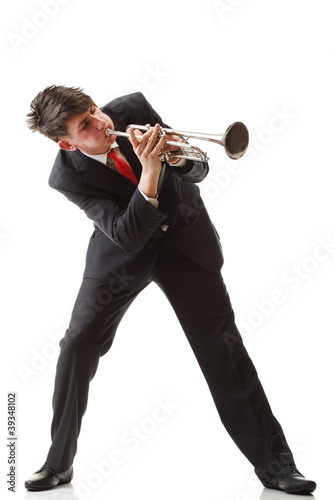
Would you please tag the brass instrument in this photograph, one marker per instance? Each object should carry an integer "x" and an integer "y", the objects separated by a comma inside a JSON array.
[{"x": 235, "y": 141}]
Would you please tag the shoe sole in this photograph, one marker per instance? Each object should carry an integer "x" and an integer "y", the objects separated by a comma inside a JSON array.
[
  {"x": 41, "y": 489},
  {"x": 299, "y": 490}
]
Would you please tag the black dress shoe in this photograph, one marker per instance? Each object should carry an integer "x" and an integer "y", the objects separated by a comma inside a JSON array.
[
  {"x": 290, "y": 480},
  {"x": 45, "y": 479}
]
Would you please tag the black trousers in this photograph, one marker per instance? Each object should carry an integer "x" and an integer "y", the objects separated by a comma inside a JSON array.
[{"x": 201, "y": 302}]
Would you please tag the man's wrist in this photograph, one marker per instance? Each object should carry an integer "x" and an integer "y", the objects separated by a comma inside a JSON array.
[
  {"x": 180, "y": 163},
  {"x": 152, "y": 200}
]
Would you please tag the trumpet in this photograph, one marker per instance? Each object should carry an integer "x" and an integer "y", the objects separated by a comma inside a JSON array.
[{"x": 235, "y": 141}]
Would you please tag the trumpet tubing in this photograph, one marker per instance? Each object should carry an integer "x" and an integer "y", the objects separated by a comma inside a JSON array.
[{"x": 235, "y": 141}]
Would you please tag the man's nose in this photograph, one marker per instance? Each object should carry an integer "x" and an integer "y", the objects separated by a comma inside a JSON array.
[{"x": 100, "y": 124}]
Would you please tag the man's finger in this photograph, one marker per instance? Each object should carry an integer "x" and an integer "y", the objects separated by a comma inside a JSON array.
[{"x": 132, "y": 137}]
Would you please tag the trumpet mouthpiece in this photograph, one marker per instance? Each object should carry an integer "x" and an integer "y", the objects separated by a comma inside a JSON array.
[{"x": 108, "y": 132}]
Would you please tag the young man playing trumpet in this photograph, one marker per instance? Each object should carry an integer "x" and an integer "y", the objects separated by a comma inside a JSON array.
[{"x": 150, "y": 225}]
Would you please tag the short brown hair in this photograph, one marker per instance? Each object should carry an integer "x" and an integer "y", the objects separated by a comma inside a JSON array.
[{"x": 53, "y": 107}]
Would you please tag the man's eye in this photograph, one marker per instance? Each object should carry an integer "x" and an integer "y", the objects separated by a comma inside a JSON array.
[{"x": 92, "y": 111}]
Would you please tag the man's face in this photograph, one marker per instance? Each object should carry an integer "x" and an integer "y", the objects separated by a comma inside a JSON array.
[{"x": 86, "y": 132}]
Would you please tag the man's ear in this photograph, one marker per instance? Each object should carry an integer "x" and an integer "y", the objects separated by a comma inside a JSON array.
[{"x": 63, "y": 144}]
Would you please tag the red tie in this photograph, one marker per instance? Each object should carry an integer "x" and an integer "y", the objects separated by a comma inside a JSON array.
[{"x": 122, "y": 167}]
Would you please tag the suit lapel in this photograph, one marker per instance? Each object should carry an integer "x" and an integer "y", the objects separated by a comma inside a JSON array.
[{"x": 99, "y": 175}]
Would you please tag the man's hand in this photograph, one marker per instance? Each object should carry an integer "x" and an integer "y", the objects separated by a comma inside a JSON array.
[
  {"x": 167, "y": 148},
  {"x": 147, "y": 148}
]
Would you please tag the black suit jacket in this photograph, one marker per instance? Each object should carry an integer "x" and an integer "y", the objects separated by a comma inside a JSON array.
[{"x": 127, "y": 238}]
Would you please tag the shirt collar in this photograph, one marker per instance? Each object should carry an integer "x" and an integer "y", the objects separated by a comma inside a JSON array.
[{"x": 102, "y": 157}]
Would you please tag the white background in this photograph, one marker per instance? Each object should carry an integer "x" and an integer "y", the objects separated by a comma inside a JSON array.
[{"x": 202, "y": 65}]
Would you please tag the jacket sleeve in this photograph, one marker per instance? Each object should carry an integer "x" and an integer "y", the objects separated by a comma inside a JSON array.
[
  {"x": 193, "y": 171},
  {"x": 130, "y": 228}
]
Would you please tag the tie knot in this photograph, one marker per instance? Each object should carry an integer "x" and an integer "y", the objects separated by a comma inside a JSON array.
[{"x": 112, "y": 153}]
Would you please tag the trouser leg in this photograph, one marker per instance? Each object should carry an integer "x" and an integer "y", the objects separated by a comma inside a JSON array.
[
  {"x": 95, "y": 318},
  {"x": 201, "y": 302}
]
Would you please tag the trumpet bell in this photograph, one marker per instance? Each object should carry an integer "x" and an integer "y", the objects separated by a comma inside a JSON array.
[{"x": 236, "y": 140}]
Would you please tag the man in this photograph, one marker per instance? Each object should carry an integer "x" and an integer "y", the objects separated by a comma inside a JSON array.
[{"x": 150, "y": 225}]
